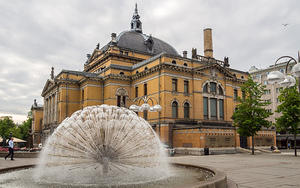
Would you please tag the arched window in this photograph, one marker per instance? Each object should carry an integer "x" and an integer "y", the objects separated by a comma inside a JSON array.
[
  {"x": 186, "y": 110},
  {"x": 221, "y": 91},
  {"x": 185, "y": 64},
  {"x": 205, "y": 88},
  {"x": 122, "y": 73},
  {"x": 174, "y": 62},
  {"x": 174, "y": 109},
  {"x": 136, "y": 72},
  {"x": 146, "y": 68},
  {"x": 213, "y": 87}
]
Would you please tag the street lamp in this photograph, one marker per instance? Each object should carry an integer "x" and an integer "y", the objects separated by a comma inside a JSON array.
[
  {"x": 286, "y": 80},
  {"x": 145, "y": 106}
]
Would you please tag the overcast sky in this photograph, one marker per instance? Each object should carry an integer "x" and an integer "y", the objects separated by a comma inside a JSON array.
[{"x": 36, "y": 35}]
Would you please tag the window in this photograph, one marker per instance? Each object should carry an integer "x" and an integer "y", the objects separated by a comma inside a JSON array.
[
  {"x": 145, "y": 89},
  {"x": 136, "y": 72},
  {"x": 174, "y": 84},
  {"x": 123, "y": 102},
  {"x": 174, "y": 109},
  {"x": 174, "y": 62},
  {"x": 122, "y": 73},
  {"x": 136, "y": 91},
  {"x": 213, "y": 87},
  {"x": 235, "y": 94},
  {"x": 186, "y": 86},
  {"x": 213, "y": 108},
  {"x": 119, "y": 101},
  {"x": 185, "y": 64},
  {"x": 243, "y": 95},
  {"x": 205, "y": 107},
  {"x": 221, "y": 91},
  {"x": 221, "y": 108},
  {"x": 265, "y": 82},
  {"x": 82, "y": 95},
  {"x": 278, "y": 90},
  {"x": 242, "y": 77},
  {"x": 146, "y": 68},
  {"x": 121, "y": 52},
  {"x": 126, "y": 53},
  {"x": 267, "y": 92},
  {"x": 145, "y": 114},
  {"x": 186, "y": 107},
  {"x": 205, "y": 88}
]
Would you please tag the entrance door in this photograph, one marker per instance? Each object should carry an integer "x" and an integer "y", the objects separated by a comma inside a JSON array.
[{"x": 243, "y": 142}]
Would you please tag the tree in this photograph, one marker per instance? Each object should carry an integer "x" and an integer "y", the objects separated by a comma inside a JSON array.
[
  {"x": 289, "y": 108},
  {"x": 250, "y": 114},
  {"x": 6, "y": 126},
  {"x": 25, "y": 128}
]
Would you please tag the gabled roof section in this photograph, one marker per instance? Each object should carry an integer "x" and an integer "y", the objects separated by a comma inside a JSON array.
[
  {"x": 217, "y": 66},
  {"x": 48, "y": 84}
]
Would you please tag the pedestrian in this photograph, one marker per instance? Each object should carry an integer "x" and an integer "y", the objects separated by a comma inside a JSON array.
[
  {"x": 289, "y": 145},
  {"x": 10, "y": 149}
]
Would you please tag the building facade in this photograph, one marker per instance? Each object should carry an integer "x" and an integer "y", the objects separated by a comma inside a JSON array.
[
  {"x": 37, "y": 123},
  {"x": 198, "y": 95},
  {"x": 271, "y": 94}
]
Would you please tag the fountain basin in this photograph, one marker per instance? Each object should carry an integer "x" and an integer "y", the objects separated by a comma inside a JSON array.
[{"x": 184, "y": 175}]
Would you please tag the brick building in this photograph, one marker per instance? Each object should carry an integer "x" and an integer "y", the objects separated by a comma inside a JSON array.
[{"x": 198, "y": 94}]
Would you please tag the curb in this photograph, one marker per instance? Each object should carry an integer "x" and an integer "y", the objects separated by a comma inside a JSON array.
[{"x": 5, "y": 170}]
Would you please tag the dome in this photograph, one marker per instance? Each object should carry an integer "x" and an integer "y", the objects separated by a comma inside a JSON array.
[
  {"x": 135, "y": 40},
  {"x": 143, "y": 43}
]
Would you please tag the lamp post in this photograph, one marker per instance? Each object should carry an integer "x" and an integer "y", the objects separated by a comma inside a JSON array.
[
  {"x": 145, "y": 106},
  {"x": 287, "y": 80}
]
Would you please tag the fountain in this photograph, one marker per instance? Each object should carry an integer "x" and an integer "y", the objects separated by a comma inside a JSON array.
[{"x": 105, "y": 146}]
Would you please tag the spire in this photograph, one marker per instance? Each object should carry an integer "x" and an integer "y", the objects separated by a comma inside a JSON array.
[{"x": 136, "y": 24}]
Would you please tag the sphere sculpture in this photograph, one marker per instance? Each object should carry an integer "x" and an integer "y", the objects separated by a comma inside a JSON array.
[{"x": 103, "y": 145}]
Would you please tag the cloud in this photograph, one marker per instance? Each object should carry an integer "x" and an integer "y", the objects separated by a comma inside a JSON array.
[{"x": 36, "y": 35}]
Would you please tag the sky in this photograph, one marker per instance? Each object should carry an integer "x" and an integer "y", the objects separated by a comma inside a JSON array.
[{"x": 36, "y": 35}]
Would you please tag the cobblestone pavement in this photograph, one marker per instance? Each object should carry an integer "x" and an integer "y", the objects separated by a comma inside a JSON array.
[
  {"x": 17, "y": 162},
  {"x": 259, "y": 171}
]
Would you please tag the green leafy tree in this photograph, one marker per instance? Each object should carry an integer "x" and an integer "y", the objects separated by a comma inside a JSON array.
[
  {"x": 6, "y": 126},
  {"x": 289, "y": 121},
  {"x": 250, "y": 114},
  {"x": 24, "y": 128}
]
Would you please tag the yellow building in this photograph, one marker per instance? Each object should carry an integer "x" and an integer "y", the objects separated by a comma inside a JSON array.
[
  {"x": 198, "y": 95},
  {"x": 37, "y": 123}
]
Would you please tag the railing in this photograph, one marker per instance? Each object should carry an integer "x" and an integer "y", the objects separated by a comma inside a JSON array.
[{"x": 209, "y": 60}]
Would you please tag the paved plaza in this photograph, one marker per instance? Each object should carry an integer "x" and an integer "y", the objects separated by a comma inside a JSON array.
[{"x": 259, "y": 171}]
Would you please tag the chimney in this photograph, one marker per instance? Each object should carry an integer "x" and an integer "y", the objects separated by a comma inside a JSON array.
[
  {"x": 52, "y": 73},
  {"x": 208, "y": 46},
  {"x": 184, "y": 53},
  {"x": 194, "y": 53}
]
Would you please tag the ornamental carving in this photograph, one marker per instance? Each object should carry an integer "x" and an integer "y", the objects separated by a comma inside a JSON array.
[{"x": 121, "y": 92}]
